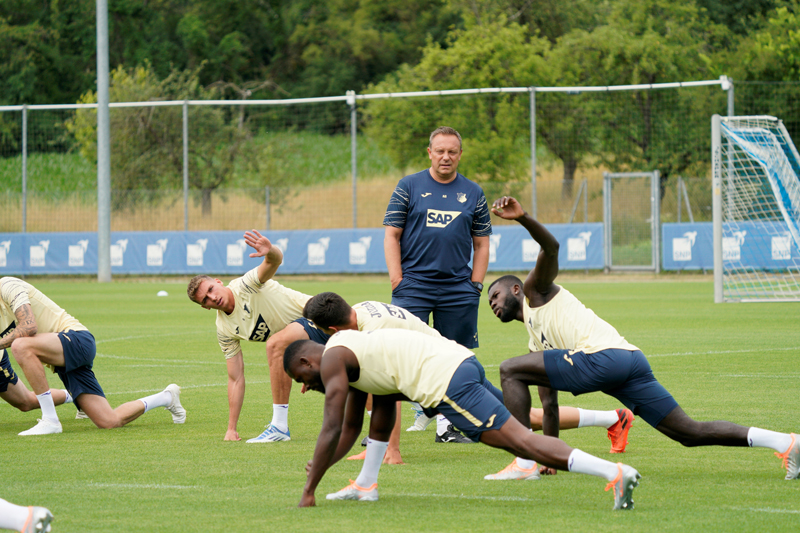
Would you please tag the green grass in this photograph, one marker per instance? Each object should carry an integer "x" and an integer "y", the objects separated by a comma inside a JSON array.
[{"x": 736, "y": 362}]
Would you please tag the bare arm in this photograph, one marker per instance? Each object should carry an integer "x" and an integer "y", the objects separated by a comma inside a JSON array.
[
  {"x": 391, "y": 249},
  {"x": 337, "y": 388},
  {"x": 273, "y": 257},
  {"x": 235, "y": 394},
  {"x": 25, "y": 326},
  {"x": 480, "y": 258},
  {"x": 539, "y": 283}
]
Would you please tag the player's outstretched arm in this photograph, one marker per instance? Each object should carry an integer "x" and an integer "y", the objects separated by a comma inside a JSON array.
[{"x": 273, "y": 257}]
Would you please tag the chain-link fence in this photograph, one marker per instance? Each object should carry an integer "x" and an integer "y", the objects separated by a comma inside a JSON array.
[{"x": 233, "y": 166}]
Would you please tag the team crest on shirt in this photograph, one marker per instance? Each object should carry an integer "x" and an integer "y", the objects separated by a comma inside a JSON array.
[
  {"x": 461, "y": 197},
  {"x": 260, "y": 331},
  {"x": 545, "y": 343}
]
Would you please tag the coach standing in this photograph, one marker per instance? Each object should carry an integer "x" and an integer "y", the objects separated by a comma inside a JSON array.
[{"x": 435, "y": 220}]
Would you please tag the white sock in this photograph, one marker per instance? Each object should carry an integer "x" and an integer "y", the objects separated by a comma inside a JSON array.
[
  {"x": 280, "y": 416},
  {"x": 584, "y": 463},
  {"x": 369, "y": 414},
  {"x": 441, "y": 424},
  {"x": 159, "y": 399},
  {"x": 764, "y": 438},
  {"x": 604, "y": 419},
  {"x": 372, "y": 463},
  {"x": 525, "y": 464},
  {"x": 12, "y": 516},
  {"x": 69, "y": 396},
  {"x": 48, "y": 407}
]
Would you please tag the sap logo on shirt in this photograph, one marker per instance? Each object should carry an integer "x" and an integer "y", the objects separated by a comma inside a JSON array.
[
  {"x": 682, "y": 246},
  {"x": 37, "y": 253},
  {"x": 118, "y": 252},
  {"x": 782, "y": 248},
  {"x": 732, "y": 246},
  {"x": 76, "y": 253},
  {"x": 440, "y": 219},
  {"x": 5, "y": 246}
]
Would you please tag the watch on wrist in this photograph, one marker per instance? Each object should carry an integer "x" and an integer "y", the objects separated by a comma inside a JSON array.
[{"x": 478, "y": 285}]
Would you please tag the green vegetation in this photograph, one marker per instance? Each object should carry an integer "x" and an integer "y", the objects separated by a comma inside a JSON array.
[{"x": 734, "y": 362}]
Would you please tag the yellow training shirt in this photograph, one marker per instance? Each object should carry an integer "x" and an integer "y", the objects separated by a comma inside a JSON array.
[
  {"x": 50, "y": 318},
  {"x": 377, "y": 315}
]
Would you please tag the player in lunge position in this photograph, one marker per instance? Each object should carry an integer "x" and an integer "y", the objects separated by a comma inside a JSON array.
[
  {"x": 397, "y": 365},
  {"x": 256, "y": 308},
  {"x": 572, "y": 349},
  {"x": 40, "y": 333}
]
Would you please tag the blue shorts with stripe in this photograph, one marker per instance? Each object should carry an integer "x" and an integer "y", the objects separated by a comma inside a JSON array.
[
  {"x": 471, "y": 402},
  {"x": 76, "y": 374},
  {"x": 7, "y": 375},
  {"x": 313, "y": 332},
  {"x": 626, "y": 375}
]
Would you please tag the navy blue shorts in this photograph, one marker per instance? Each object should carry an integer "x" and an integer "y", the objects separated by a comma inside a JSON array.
[
  {"x": 7, "y": 375},
  {"x": 472, "y": 403},
  {"x": 313, "y": 332},
  {"x": 76, "y": 374},
  {"x": 623, "y": 374},
  {"x": 454, "y": 307}
]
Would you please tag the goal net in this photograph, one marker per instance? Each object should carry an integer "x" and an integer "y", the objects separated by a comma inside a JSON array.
[{"x": 756, "y": 195}]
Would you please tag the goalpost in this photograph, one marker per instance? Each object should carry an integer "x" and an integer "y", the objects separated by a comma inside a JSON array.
[{"x": 756, "y": 209}]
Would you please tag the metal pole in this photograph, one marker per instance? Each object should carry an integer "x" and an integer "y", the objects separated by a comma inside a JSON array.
[
  {"x": 586, "y": 200},
  {"x": 24, "y": 167},
  {"x": 266, "y": 205},
  {"x": 657, "y": 221},
  {"x": 716, "y": 196},
  {"x": 533, "y": 150},
  {"x": 103, "y": 149},
  {"x": 678, "y": 193},
  {"x": 351, "y": 101},
  {"x": 185, "y": 165},
  {"x": 730, "y": 98}
]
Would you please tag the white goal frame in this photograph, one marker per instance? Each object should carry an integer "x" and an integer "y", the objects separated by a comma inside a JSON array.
[{"x": 756, "y": 210}]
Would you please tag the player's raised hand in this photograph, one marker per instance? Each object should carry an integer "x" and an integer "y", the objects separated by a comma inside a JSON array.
[
  {"x": 507, "y": 208},
  {"x": 258, "y": 242}
]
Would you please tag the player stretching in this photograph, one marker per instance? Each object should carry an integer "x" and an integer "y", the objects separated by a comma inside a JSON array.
[
  {"x": 573, "y": 350},
  {"x": 394, "y": 365},
  {"x": 332, "y": 313},
  {"x": 40, "y": 333},
  {"x": 256, "y": 308}
]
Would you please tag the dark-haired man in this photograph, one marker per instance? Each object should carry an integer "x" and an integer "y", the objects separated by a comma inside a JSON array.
[{"x": 572, "y": 349}]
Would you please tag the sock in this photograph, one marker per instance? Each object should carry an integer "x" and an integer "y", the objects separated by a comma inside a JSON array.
[
  {"x": 69, "y": 396},
  {"x": 280, "y": 416},
  {"x": 48, "y": 407},
  {"x": 12, "y": 516},
  {"x": 525, "y": 464},
  {"x": 372, "y": 463},
  {"x": 604, "y": 419},
  {"x": 441, "y": 424},
  {"x": 584, "y": 463},
  {"x": 369, "y": 414},
  {"x": 764, "y": 438},
  {"x": 159, "y": 399}
]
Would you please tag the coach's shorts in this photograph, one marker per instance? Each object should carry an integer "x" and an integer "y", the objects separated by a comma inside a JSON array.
[
  {"x": 313, "y": 332},
  {"x": 623, "y": 374},
  {"x": 76, "y": 374},
  {"x": 454, "y": 307},
  {"x": 7, "y": 375},
  {"x": 472, "y": 403}
]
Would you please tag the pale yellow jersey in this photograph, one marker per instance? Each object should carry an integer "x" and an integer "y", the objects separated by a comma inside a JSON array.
[
  {"x": 50, "y": 318},
  {"x": 372, "y": 315},
  {"x": 564, "y": 323},
  {"x": 395, "y": 361},
  {"x": 261, "y": 309}
]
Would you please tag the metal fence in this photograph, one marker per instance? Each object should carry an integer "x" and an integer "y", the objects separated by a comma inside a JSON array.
[{"x": 333, "y": 162}]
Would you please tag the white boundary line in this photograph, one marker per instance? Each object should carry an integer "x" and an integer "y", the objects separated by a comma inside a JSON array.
[
  {"x": 464, "y": 497},
  {"x": 766, "y": 510}
]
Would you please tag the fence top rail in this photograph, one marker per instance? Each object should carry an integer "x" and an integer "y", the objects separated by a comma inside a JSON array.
[{"x": 723, "y": 82}]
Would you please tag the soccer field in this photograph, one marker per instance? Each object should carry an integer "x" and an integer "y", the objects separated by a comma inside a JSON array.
[{"x": 737, "y": 362}]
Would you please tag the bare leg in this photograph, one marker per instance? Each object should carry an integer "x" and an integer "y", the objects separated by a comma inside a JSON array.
[
  {"x": 516, "y": 376},
  {"x": 31, "y": 352},
  {"x": 280, "y": 382},
  {"x": 568, "y": 417},
  {"x": 20, "y": 397},
  {"x": 100, "y": 412},
  {"x": 689, "y": 432}
]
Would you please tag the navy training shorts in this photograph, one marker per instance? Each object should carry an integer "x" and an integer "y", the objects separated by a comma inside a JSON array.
[
  {"x": 76, "y": 374},
  {"x": 626, "y": 375},
  {"x": 7, "y": 375},
  {"x": 471, "y": 402},
  {"x": 313, "y": 332}
]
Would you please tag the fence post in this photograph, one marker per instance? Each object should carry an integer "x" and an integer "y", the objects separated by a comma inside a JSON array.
[
  {"x": 533, "y": 150},
  {"x": 186, "y": 165},
  {"x": 351, "y": 101},
  {"x": 266, "y": 205},
  {"x": 103, "y": 149},
  {"x": 24, "y": 167},
  {"x": 678, "y": 196}
]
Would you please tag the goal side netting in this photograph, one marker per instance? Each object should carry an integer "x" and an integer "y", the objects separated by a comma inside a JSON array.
[{"x": 756, "y": 208}]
